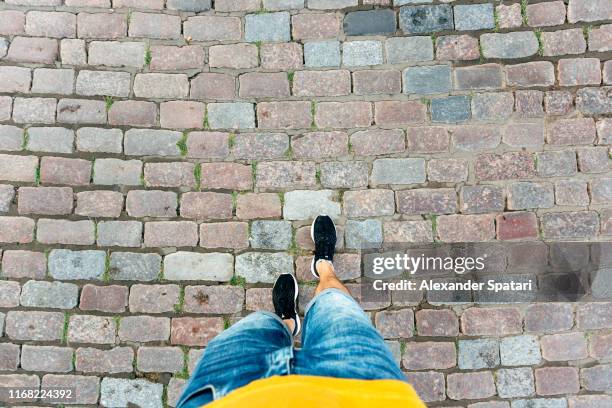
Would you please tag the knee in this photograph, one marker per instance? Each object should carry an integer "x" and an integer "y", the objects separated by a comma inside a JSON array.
[{"x": 336, "y": 303}]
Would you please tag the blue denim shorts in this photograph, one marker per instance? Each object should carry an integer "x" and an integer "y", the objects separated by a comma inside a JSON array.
[{"x": 338, "y": 340}]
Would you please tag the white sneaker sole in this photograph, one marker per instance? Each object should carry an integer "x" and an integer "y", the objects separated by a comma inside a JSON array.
[{"x": 298, "y": 324}]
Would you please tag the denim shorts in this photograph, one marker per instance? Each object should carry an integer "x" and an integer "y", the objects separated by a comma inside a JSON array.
[{"x": 338, "y": 340}]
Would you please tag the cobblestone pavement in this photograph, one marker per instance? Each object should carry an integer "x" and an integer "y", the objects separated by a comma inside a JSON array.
[{"x": 160, "y": 161}]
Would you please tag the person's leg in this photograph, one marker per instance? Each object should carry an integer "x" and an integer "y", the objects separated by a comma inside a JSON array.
[
  {"x": 258, "y": 346},
  {"x": 328, "y": 278},
  {"x": 338, "y": 338}
]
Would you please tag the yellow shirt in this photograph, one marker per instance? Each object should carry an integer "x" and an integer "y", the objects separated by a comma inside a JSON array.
[{"x": 300, "y": 391}]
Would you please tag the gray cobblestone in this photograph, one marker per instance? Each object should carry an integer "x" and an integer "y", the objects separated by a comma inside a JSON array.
[
  {"x": 427, "y": 80},
  {"x": 476, "y": 354},
  {"x": 196, "y": 266},
  {"x": 267, "y": 27},
  {"x": 239, "y": 115},
  {"x": 189, "y": 5},
  {"x": 540, "y": 403},
  {"x": 120, "y": 233},
  {"x": 520, "y": 350},
  {"x": 318, "y": 54},
  {"x": 509, "y": 45},
  {"x": 103, "y": 83},
  {"x": 34, "y": 110},
  {"x": 134, "y": 266},
  {"x": 453, "y": 109},
  {"x": 408, "y": 49},
  {"x": 11, "y": 138},
  {"x": 149, "y": 142},
  {"x": 304, "y": 204},
  {"x": 54, "y": 295},
  {"x": 53, "y": 81},
  {"x": 426, "y": 19},
  {"x": 50, "y": 139},
  {"x": 46, "y": 358},
  {"x": 271, "y": 235},
  {"x": 361, "y": 53},
  {"x": 119, "y": 392},
  {"x": 398, "y": 171},
  {"x": 115, "y": 171},
  {"x": 474, "y": 16},
  {"x": 99, "y": 140},
  {"x": 66, "y": 264},
  {"x": 7, "y": 194},
  {"x": 527, "y": 195},
  {"x": 363, "y": 234},
  {"x": 515, "y": 382},
  {"x": 263, "y": 267},
  {"x": 117, "y": 54},
  {"x": 370, "y": 22}
]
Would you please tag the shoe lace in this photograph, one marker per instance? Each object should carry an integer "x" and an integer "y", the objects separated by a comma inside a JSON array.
[{"x": 326, "y": 246}]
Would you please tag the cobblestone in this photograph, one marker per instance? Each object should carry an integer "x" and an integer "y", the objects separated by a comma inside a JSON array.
[
  {"x": 196, "y": 134},
  {"x": 53, "y": 295}
]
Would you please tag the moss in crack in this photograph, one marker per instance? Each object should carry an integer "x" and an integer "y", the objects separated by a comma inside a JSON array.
[
  {"x": 482, "y": 57},
  {"x": 108, "y": 102},
  {"x": 178, "y": 307},
  {"x": 313, "y": 112},
  {"x": 184, "y": 374},
  {"x": 26, "y": 139},
  {"x": 106, "y": 276},
  {"x": 290, "y": 76},
  {"x": 238, "y": 281},
  {"x": 227, "y": 323},
  {"x": 93, "y": 170},
  {"x": 65, "y": 329},
  {"x": 524, "y": 4},
  {"x": 538, "y": 34},
  {"x": 197, "y": 175},
  {"x": 148, "y": 56},
  {"x": 496, "y": 19},
  {"x": 434, "y": 224},
  {"x": 205, "y": 123},
  {"x": 234, "y": 201},
  {"x": 586, "y": 32},
  {"x": 164, "y": 397},
  {"x": 37, "y": 176},
  {"x": 426, "y": 101},
  {"x": 254, "y": 171},
  {"x": 293, "y": 248},
  {"x": 231, "y": 141},
  {"x": 117, "y": 320},
  {"x": 182, "y": 144}
]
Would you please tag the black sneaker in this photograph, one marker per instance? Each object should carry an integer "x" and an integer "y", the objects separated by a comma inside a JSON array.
[
  {"x": 323, "y": 233},
  {"x": 284, "y": 297}
]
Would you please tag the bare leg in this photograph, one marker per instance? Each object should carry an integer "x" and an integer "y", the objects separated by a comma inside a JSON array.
[
  {"x": 327, "y": 278},
  {"x": 290, "y": 324}
]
